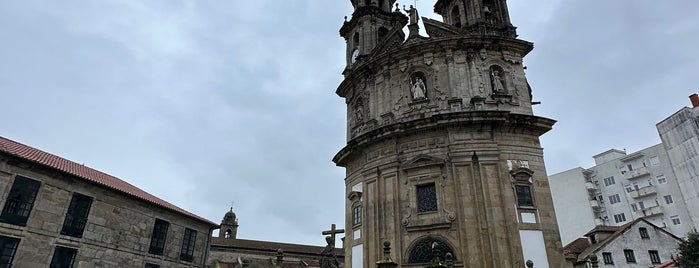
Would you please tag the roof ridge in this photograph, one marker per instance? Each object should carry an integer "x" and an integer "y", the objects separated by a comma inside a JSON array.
[{"x": 87, "y": 173}]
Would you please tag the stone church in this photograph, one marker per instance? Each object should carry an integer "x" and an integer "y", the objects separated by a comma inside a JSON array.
[{"x": 442, "y": 146}]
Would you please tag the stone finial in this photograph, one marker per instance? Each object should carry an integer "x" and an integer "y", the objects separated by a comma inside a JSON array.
[
  {"x": 386, "y": 262},
  {"x": 280, "y": 256},
  {"x": 530, "y": 264},
  {"x": 594, "y": 261}
]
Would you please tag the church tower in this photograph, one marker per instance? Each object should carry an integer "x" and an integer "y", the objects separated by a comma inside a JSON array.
[
  {"x": 229, "y": 226},
  {"x": 442, "y": 144}
]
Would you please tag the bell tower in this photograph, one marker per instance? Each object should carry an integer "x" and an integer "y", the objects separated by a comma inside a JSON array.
[
  {"x": 372, "y": 23},
  {"x": 443, "y": 147}
]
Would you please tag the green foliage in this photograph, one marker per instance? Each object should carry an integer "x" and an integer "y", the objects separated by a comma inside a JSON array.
[{"x": 689, "y": 251}]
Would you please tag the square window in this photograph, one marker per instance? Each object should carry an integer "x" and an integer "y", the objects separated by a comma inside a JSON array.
[
  {"x": 8, "y": 247},
  {"x": 607, "y": 257},
  {"x": 661, "y": 179},
  {"x": 654, "y": 161},
  {"x": 63, "y": 257},
  {"x": 157, "y": 239},
  {"x": 644, "y": 233},
  {"x": 357, "y": 215},
  {"x": 630, "y": 257},
  {"x": 20, "y": 201},
  {"x": 668, "y": 199},
  {"x": 188, "y": 242},
  {"x": 524, "y": 195},
  {"x": 619, "y": 218},
  {"x": 76, "y": 217},
  {"x": 654, "y": 256},
  {"x": 426, "y": 198},
  {"x": 675, "y": 220},
  {"x": 609, "y": 181},
  {"x": 613, "y": 199}
]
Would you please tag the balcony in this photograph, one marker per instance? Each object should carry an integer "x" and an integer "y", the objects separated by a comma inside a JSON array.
[
  {"x": 594, "y": 203},
  {"x": 645, "y": 191},
  {"x": 590, "y": 186},
  {"x": 637, "y": 173},
  {"x": 650, "y": 211}
]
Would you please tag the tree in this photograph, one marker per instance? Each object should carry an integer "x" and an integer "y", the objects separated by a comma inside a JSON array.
[{"x": 689, "y": 251}]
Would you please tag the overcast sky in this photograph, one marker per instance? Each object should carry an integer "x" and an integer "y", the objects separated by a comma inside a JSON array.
[{"x": 204, "y": 103}]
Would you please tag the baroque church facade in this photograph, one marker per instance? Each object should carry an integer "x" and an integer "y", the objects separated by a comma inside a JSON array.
[{"x": 443, "y": 147}]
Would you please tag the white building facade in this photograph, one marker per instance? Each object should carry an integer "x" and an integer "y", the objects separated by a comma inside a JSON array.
[
  {"x": 659, "y": 183},
  {"x": 620, "y": 188}
]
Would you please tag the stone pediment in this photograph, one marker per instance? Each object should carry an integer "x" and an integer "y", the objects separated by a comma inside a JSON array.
[
  {"x": 392, "y": 41},
  {"x": 423, "y": 161},
  {"x": 435, "y": 28}
]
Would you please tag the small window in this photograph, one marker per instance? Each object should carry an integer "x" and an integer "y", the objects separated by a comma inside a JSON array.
[
  {"x": 619, "y": 218},
  {"x": 654, "y": 161},
  {"x": 675, "y": 220},
  {"x": 524, "y": 195},
  {"x": 609, "y": 181},
  {"x": 644, "y": 233},
  {"x": 607, "y": 257},
  {"x": 628, "y": 188},
  {"x": 426, "y": 198},
  {"x": 76, "y": 217},
  {"x": 188, "y": 242},
  {"x": 661, "y": 179},
  {"x": 8, "y": 247},
  {"x": 456, "y": 16},
  {"x": 20, "y": 201},
  {"x": 357, "y": 215},
  {"x": 157, "y": 239},
  {"x": 668, "y": 199},
  {"x": 654, "y": 256},
  {"x": 634, "y": 207},
  {"x": 151, "y": 265},
  {"x": 630, "y": 257},
  {"x": 63, "y": 257},
  {"x": 613, "y": 199}
]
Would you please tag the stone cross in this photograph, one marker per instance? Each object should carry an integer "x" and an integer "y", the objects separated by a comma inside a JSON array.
[{"x": 332, "y": 232}]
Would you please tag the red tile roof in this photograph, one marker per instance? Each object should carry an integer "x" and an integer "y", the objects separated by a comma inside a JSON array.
[{"x": 34, "y": 155}]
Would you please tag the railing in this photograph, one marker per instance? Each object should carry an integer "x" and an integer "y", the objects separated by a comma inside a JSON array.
[
  {"x": 650, "y": 211},
  {"x": 645, "y": 191},
  {"x": 637, "y": 173}
]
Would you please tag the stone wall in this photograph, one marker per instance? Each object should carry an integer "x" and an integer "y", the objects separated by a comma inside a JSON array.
[{"x": 118, "y": 229}]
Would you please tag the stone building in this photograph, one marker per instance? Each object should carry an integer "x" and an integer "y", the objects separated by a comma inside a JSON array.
[
  {"x": 58, "y": 213},
  {"x": 442, "y": 144},
  {"x": 638, "y": 243},
  {"x": 228, "y": 251}
]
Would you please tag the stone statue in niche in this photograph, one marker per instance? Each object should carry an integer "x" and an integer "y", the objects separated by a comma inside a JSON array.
[
  {"x": 418, "y": 88},
  {"x": 497, "y": 80},
  {"x": 358, "y": 114}
]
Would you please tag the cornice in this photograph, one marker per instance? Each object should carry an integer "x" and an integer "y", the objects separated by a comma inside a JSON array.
[{"x": 503, "y": 121}]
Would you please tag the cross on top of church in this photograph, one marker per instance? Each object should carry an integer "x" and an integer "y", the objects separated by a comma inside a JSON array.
[{"x": 332, "y": 232}]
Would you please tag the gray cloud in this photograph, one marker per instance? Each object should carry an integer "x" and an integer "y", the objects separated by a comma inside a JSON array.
[{"x": 204, "y": 103}]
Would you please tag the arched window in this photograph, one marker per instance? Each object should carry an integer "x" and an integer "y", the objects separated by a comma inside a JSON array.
[
  {"x": 228, "y": 233},
  {"x": 355, "y": 40},
  {"x": 422, "y": 250},
  {"x": 456, "y": 16}
]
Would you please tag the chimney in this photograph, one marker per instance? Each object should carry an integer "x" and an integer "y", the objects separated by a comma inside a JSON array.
[{"x": 694, "y": 98}]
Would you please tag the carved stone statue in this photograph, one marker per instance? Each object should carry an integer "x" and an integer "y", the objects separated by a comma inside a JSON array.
[
  {"x": 496, "y": 79},
  {"x": 412, "y": 13},
  {"x": 418, "y": 89},
  {"x": 327, "y": 256}
]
